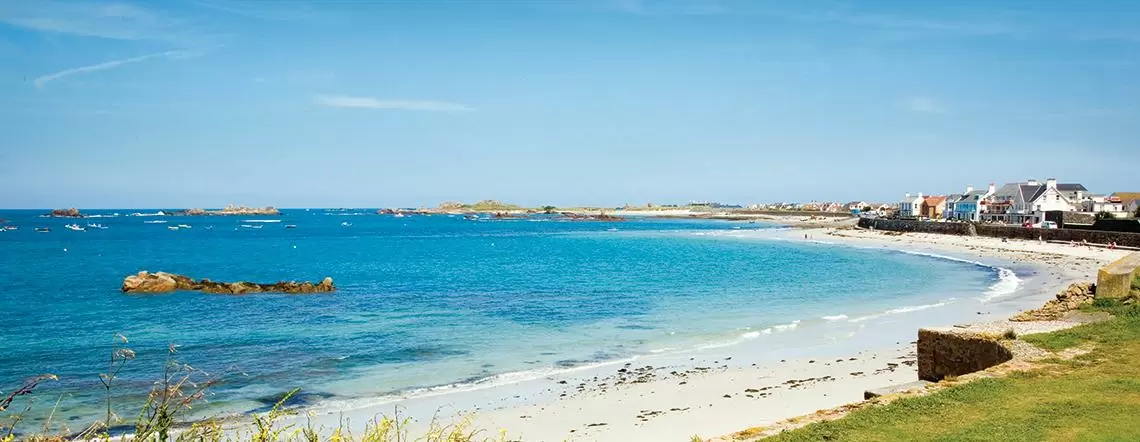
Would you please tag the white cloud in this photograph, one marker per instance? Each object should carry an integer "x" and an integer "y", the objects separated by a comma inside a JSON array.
[
  {"x": 924, "y": 105},
  {"x": 373, "y": 103},
  {"x": 178, "y": 55},
  {"x": 112, "y": 20}
]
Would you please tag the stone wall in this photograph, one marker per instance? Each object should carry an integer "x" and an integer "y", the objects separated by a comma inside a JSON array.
[
  {"x": 1115, "y": 280},
  {"x": 943, "y": 353},
  {"x": 914, "y": 226},
  {"x": 1004, "y": 231}
]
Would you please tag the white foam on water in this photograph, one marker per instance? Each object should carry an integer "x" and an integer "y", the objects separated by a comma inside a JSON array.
[
  {"x": 834, "y": 317},
  {"x": 1007, "y": 283},
  {"x": 900, "y": 310}
]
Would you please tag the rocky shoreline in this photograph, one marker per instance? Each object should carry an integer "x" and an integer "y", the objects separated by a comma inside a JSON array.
[{"x": 162, "y": 282}]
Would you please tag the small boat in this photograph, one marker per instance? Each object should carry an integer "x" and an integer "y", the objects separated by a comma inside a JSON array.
[
  {"x": 11, "y": 228},
  {"x": 75, "y": 227},
  {"x": 175, "y": 228},
  {"x": 346, "y": 224},
  {"x": 96, "y": 226},
  {"x": 43, "y": 229},
  {"x": 184, "y": 226},
  {"x": 290, "y": 226},
  {"x": 157, "y": 221},
  {"x": 471, "y": 217},
  {"x": 398, "y": 215}
]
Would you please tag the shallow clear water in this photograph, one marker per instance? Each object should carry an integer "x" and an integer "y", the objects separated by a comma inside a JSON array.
[{"x": 422, "y": 301}]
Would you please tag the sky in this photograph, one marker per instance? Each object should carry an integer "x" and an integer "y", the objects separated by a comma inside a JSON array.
[{"x": 347, "y": 103}]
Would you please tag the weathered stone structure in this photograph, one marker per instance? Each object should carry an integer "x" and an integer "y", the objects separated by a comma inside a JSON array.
[
  {"x": 943, "y": 353},
  {"x": 1072, "y": 298},
  {"x": 1115, "y": 280}
]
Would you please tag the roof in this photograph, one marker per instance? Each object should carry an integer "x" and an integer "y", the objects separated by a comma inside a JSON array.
[
  {"x": 950, "y": 199},
  {"x": 1071, "y": 187},
  {"x": 1127, "y": 196},
  {"x": 1031, "y": 192},
  {"x": 933, "y": 200}
]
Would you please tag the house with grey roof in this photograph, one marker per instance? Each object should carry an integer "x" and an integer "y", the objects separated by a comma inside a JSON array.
[{"x": 1017, "y": 203}]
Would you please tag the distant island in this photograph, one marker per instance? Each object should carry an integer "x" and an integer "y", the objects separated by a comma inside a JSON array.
[
  {"x": 231, "y": 210},
  {"x": 65, "y": 213}
]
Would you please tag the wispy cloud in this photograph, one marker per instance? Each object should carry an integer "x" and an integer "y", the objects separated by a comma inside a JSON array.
[
  {"x": 176, "y": 55},
  {"x": 266, "y": 10},
  {"x": 373, "y": 103},
  {"x": 112, "y": 20},
  {"x": 925, "y": 105},
  {"x": 844, "y": 14},
  {"x": 666, "y": 7}
]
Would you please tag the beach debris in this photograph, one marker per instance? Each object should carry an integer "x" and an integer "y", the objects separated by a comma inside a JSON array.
[{"x": 162, "y": 282}]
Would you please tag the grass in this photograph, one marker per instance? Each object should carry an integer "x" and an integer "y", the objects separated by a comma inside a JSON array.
[
  {"x": 1095, "y": 396},
  {"x": 1136, "y": 286},
  {"x": 164, "y": 414}
]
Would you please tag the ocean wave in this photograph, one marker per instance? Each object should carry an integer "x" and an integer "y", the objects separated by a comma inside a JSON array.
[
  {"x": 475, "y": 383},
  {"x": 834, "y": 317},
  {"x": 1007, "y": 283},
  {"x": 260, "y": 220},
  {"x": 907, "y": 309},
  {"x": 157, "y": 221},
  {"x": 789, "y": 326}
]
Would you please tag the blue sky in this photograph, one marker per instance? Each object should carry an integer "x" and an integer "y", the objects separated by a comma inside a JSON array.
[{"x": 187, "y": 103}]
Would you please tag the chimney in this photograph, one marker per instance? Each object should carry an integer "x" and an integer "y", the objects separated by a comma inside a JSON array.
[
  {"x": 992, "y": 189},
  {"x": 920, "y": 194},
  {"x": 1032, "y": 182},
  {"x": 1051, "y": 183},
  {"x": 969, "y": 189}
]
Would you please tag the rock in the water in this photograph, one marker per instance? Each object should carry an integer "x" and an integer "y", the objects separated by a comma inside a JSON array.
[
  {"x": 162, "y": 282},
  {"x": 65, "y": 213},
  {"x": 1076, "y": 295}
]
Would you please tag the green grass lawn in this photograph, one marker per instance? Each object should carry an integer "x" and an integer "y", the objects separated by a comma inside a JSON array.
[{"x": 1095, "y": 397}]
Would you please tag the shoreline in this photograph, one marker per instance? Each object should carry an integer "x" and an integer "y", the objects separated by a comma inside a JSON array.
[{"x": 721, "y": 389}]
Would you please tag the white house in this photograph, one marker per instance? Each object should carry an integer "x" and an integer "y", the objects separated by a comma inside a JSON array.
[
  {"x": 968, "y": 206},
  {"x": 911, "y": 206},
  {"x": 1101, "y": 203},
  {"x": 1017, "y": 203}
]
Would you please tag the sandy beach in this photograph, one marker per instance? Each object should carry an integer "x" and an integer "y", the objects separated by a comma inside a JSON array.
[{"x": 716, "y": 391}]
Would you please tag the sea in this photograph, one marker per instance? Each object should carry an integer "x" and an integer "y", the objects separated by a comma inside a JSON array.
[{"x": 428, "y": 303}]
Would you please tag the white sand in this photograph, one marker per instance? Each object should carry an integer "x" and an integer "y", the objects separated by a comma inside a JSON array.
[{"x": 675, "y": 400}]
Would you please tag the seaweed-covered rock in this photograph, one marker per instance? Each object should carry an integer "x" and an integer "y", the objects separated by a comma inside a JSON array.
[{"x": 162, "y": 282}]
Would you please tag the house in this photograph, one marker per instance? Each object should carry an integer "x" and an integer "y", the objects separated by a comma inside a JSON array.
[
  {"x": 910, "y": 206},
  {"x": 1101, "y": 203},
  {"x": 933, "y": 206},
  {"x": 968, "y": 206},
  {"x": 856, "y": 206},
  {"x": 1018, "y": 203},
  {"x": 1129, "y": 200},
  {"x": 832, "y": 207}
]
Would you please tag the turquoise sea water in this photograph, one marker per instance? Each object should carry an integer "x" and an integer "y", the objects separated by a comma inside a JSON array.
[{"x": 423, "y": 301}]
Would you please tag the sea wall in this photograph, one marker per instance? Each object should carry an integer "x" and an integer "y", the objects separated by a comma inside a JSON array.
[
  {"x": 898, "y": 225},
  {"x": 1004, "y": 231},
  {"x": 1115, "y": 280},
  {"x": 944, "y": 353}
]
